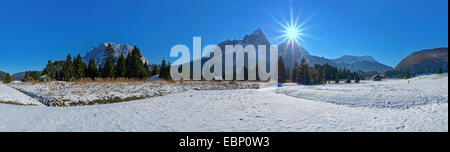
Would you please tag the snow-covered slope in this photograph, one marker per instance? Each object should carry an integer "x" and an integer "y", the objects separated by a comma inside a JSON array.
[
  {"x": 245, "y": 110},
  {"x": 386, "y": 94},
  {"x": 8, "y": 94}
]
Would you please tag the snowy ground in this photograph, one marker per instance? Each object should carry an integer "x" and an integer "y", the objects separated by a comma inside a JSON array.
[
  {"x": 8, "y": 94},
  {"x": 266, "y": 109},
  {"x": 81, "y": 93},
  {"x": 388, "y": 93}
]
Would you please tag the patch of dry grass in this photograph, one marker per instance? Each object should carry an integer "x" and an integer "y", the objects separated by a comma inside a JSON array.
[
  {"x": 106, "y": 101},
  {"x": 15, "y": 103},
  {"x": 109, "y": 80}
]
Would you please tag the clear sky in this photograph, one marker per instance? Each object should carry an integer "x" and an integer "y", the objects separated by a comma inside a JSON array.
[{"x": 33, "y": 31}]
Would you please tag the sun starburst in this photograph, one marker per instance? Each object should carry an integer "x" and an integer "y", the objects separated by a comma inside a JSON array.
[{"x": 292, "y": 30}]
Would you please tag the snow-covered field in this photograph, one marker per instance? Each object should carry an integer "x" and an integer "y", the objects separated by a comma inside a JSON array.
[
  {"x": 388, "y": 93},
  {"x": 8, "y": 94},
  {"x": 81, "y": 93},
  {"x": 391, "y": 105}
]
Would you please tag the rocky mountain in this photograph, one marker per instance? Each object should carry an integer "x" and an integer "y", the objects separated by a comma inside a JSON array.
[
  {"x": 256, "y": 38},
  {"x": 424, "y": 61},
  {"x": 99, "y": 55}
]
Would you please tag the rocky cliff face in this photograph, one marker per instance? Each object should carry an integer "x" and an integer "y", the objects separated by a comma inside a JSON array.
[{"x": 99, "y": 55}]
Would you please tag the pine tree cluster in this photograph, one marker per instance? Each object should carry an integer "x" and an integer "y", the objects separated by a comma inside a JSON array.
[
  {"x": 318, "y": 74},
  {"x": 130, "y": 66}
]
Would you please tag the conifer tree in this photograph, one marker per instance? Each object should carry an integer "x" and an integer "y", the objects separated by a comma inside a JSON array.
[
  {"x": 135, "y": 67},
  {"x": 79, "y": 67},
  {"x": 281, "y": 70},
  {"x": 316, "y": 76},
  {"x": 108, "y": 69},
  {"x": 50, "y": 70},
  {"x": 147, "y": 70},
  {"x": 349, "y": 79},
  {"x": 129, "y": 66},
  {"x": 139, "y": 64},
  {"x": 408, "y": 75},
  {"x": 304, "y": 72},
  {"x": 59, "y": 70},
  {"x": 168, "y": 71},
  {"x": 100, "y": 71},
  {"x": 92, "y": 69},
  {"x": 67, "y": 70},
  {"x": 121, "y": 66},
  {"x": 295, "y": 73},
  {"x": 357, "y": 78},
  {"x": 163, "y": 73},
  {"x": 336, "y": 80},
  {"x": 156, "y": 71},
  {"x": 288, "y": 74}
]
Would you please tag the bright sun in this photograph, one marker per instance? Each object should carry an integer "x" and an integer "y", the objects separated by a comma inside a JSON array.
[
  {"x": 292, "y": 33},
  {"x": 293, "y": 30}
]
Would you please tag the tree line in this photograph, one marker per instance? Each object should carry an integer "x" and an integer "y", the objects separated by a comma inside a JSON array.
[
  {"x": 318, "y": 74},
  {"x": 129, "y": 66}
]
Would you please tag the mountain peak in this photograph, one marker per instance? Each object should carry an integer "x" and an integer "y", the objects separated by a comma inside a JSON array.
[
  {"x": 256, "y": 38},
  {"x": 99, "y": 55},
  {"x": 258, "y": 32}
]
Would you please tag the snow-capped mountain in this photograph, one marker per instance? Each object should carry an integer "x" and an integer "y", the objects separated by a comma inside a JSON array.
[
  {"x": 256, "y": 38},
  {"x": 99, "y": 55}
]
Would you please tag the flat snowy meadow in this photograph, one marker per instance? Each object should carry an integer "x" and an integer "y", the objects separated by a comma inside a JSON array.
[{"x": 417, "y": 104}]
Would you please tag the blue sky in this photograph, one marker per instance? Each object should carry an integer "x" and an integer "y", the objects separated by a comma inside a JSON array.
[{"x": 31, "y": 32}]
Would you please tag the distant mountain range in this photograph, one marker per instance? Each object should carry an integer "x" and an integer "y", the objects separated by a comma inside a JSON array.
[
  {"x": 292, "y": 53},
  {"x": 424, "y": 61},
  {"x": 98, "y": 53},
  {"x": 2, "y": 74},
  {"x": 18, "y": 76}
]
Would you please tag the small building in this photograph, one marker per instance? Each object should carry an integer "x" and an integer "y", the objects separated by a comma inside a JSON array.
[
  {"x": 377, "y": 77},
  {"x": 44, "y": 78}
]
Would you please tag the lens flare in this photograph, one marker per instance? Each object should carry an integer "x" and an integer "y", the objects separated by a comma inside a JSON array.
[{"x": 292, "y": 32}]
